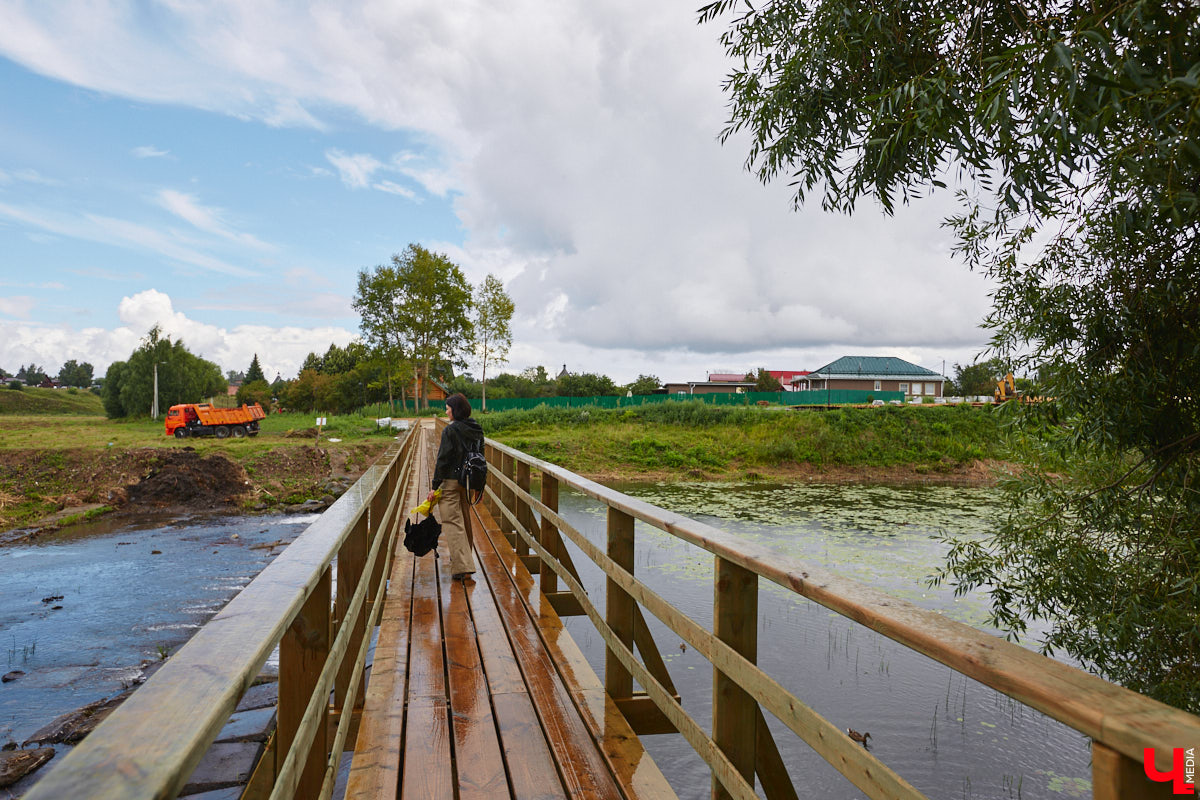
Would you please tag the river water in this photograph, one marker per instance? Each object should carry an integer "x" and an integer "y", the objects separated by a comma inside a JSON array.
[
  {"x": 123, "y": 603},
  {"x": 124, "y": 596},
  {"x": 949, "y": 736}
]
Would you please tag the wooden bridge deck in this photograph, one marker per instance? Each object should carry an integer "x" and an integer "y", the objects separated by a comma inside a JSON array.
[{"x": 477, "y": 691}]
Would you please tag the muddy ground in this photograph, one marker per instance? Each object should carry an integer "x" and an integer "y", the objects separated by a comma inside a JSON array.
[{"x": 68, "y": 483}]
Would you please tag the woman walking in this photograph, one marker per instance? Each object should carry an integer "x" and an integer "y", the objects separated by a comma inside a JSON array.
[{"x": 463, "y": 434}]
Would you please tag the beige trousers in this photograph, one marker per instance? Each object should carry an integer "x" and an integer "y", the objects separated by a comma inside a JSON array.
[{"x": 454, "y": 528}]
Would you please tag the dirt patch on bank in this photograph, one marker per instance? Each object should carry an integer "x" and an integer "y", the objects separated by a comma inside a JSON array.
[
  {"x": 51, "y": 485},
  {"x": 186, "y": 478}
]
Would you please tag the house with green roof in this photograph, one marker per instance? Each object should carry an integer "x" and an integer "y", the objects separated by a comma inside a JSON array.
[{"x": 878, "y": 374}]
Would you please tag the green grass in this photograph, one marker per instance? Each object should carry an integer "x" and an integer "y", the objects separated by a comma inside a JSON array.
[
  {"x": 32, "y": 400},
  {"x": 698, "y": 438},
  {"x": 56, "y": 432}
]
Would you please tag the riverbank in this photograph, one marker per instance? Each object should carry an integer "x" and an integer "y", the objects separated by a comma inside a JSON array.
[
  {"x": 58, "y": 469},
  {"x": 959, "y": 445}
]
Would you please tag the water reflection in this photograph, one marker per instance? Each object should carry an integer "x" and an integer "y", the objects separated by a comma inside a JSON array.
[{"x": 946, "y": 734}]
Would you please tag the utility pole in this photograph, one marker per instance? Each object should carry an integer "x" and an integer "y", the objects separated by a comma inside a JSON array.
[{"x": 154, "y": 406}]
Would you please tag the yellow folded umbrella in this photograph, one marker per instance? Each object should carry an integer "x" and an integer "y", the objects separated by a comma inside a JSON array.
[{"x": 427, "y": 507}]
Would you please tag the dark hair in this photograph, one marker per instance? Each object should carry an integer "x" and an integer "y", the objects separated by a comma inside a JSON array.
[{"x": 460, "y": 405}]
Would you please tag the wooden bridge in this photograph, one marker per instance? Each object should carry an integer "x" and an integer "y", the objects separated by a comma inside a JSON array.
[{"x": 477, "y": 691}]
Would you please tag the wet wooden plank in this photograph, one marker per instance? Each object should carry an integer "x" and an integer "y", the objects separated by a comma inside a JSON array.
[
  {"x": 637, "y": 773},
  {"x": 584, "y": 771},
  {"x": 426, "y": 670},
  {"x": 526, "y": 753},
  {"x": 427, "y": 773},
  {"x": 375, "y": 769},
  {"x": 530, "y": 766},
  {"x": 479, "y": 765}
]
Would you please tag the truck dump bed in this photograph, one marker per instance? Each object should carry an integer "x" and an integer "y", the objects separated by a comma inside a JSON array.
[{"x": 210, "y": 415}]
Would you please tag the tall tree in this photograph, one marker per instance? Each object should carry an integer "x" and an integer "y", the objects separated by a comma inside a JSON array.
[
  {"x": 32, "y": 374},
  {"x": 75, "y": 374},
  {"x": 254, "y": 372},
  {"x": 764, "y": 381},
  {"x": 645, "y": 384},
  {"x": 376, "y": 300},
  {"x": 493, "y": 327},
  {"x": 182, "y": 377},
  {"x": 978, "y": 378},
  {"x": 1071, "y": 126},
  {"x": 416, "y": 307}
]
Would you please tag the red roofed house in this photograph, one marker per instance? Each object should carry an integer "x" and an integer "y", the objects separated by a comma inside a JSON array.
[
  {"x": 790, "y": 379},
  {"x": 727, "y": 377}
]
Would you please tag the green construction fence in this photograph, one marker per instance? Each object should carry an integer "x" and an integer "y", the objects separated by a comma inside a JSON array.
[{"x": 836, "y": 397}]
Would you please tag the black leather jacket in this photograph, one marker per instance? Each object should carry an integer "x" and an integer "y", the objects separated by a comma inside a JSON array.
[{"x": 456, "y": 438}]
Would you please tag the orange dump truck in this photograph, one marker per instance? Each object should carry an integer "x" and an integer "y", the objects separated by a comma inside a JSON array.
[{"x": 202, "y": 419}]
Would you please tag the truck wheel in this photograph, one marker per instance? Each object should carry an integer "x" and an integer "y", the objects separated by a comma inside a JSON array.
[
  {"x": 222, "y": 432},
  {"x": 181, "y": 433},
  {"x": 238, "y": 431}
]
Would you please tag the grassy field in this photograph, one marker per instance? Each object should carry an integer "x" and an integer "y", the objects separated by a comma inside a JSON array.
[
  {"x": 696, "y": 440},
  {"x": 55, "y": 460},
  {"x": 59, "y": 431}
]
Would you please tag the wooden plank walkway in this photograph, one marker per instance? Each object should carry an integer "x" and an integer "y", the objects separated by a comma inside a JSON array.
[{"x": 477, "y": 691}]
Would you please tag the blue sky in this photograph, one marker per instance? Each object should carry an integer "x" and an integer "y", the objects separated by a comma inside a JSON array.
[{"x": 225, "y": 169}]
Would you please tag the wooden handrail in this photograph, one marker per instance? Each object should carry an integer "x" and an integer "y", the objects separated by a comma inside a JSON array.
[
  {"x": 150, "y": 745},
  {"x": 1121, "y": 723}
]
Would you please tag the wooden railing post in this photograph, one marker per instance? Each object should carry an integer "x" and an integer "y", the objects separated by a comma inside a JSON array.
[
  {"x": 550, "y": 538},
  {"x": 378, "y": 509},
  {"x": 509, "y": 500},
  {"x": 619, "y": 606},
  {"x": 493, "y": 459},
  {"x": 735, "y": 713},
  {"x": 524, "y": 511},
  {"x": 1119, "y": 777},
  {"x": 352, "y": 558},
  {"x": 302, "y": 654}
]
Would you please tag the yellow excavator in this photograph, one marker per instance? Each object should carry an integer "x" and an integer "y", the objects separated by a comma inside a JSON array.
[{"x": 1006, "y": 389}]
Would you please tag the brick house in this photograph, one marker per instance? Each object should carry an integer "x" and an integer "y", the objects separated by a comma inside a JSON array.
[
  {"x": 709, "y": 387},
  {"x": 878, "y": 374}
]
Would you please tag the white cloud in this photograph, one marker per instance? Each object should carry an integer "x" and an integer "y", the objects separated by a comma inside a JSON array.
[
  {"x": 210, "y": 220},
  {"x": 121, "y": 233},
  {"x": 280, "y": 349},
  {"x": 355, "y": 170},
  {"x": 28, "y": 176},
  {"x": 394, "y": 188},
  {"x": 149, "y": 151},
  {"x": 16, "y": 306},
  {"x": 579, "y": 143}
]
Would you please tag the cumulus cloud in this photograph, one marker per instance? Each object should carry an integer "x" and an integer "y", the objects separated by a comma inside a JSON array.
[
  {"x": 149, "y": 151},
  {"x": 578, "y": 141},
  {"x": 281, "y": 350}
]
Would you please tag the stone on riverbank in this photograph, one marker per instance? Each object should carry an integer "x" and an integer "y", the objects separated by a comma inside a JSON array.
[{"x": 16, "y": 764}]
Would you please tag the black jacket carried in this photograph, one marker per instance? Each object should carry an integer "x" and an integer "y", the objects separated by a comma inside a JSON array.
[{"x": 457, "y": 438}]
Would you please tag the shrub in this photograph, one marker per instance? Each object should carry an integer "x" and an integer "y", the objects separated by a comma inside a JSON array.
[{"x": 16, "y": 386}]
